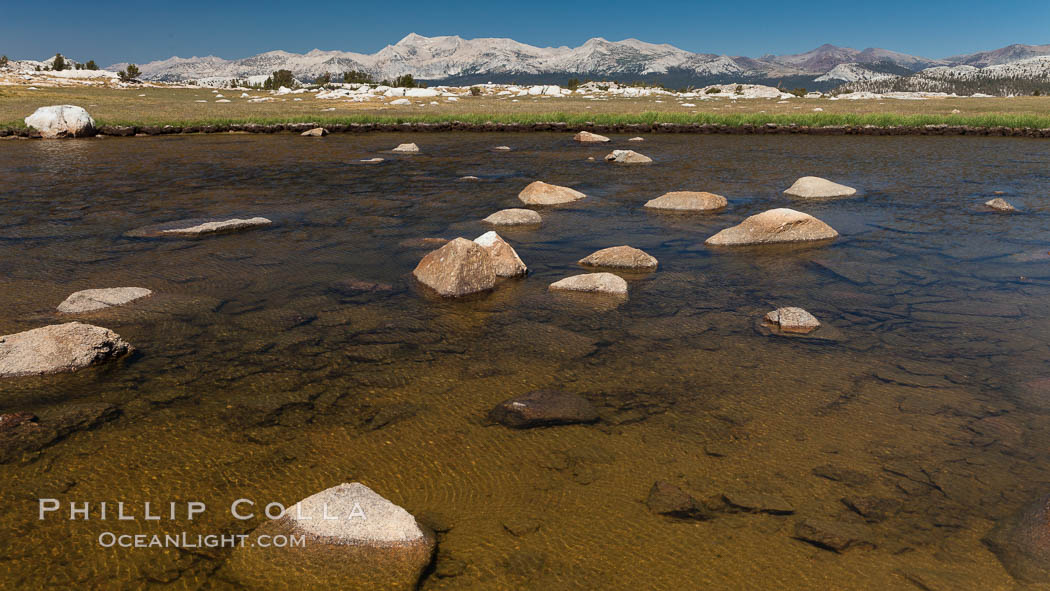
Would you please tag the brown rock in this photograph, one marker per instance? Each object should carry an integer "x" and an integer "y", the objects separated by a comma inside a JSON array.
[
  {"x": 688, "y": 201},
  {"x": 592, "y": 283},
  {"x": 627, "y": 157},
  {"x": 813, "y": 187},
  {"x": 541, "y": 193},
  {"x": 588, "y": 137},
  {"x": 1000, "y": 204},
  {"x": 774, "y": 226},
  {"x": 315, "y": 132},
  {"x": 59, "y": 348},
  {"x": 514, "y": 217},
  {"x": 459, "y": 268},
  {"x": 89, "y": 300},
  {"x": 505, "y": 261},
  {"x": 620, "y": 257},
  {"x": 543, "y": 408},
  {"x": 793, "y": 319}
]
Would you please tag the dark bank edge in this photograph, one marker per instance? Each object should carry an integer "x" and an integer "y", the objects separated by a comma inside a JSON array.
[{"x": 700, "y": 128}]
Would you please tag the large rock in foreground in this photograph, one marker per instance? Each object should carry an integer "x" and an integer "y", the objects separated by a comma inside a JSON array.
[
  {"x": 61, "y": 121},
  {"x": 813, "y": 187},
  {"x": 620, "y": 257},
  {"x": 89, "y": 300},
  {"x": 688, "y": 201},
  {"x": 458, "y": 268},
  {"x": 353, "y": 539},
  {"x": 592, "y": 283},
  {"x": 58, "y": 348},
  {"x": 505, "y": 261},
  {"x": 774, "y": 226},
  {"x": 514, "y": 217},
  {"x": 541, "y": 193},
  {"x": 1022, "y": 542},
  {"x": 542, "y": 408},
  {"x": 588, "y": 137},
  {"x": 627, "y": 157}
]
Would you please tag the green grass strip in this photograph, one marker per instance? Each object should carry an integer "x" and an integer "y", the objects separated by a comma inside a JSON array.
[{"x": 1017, "y": 121}]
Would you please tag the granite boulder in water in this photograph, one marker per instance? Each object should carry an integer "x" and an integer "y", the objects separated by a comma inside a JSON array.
[
  {"x": 89, "y": 300},
  {"x": 458, "y": 268},
  {"x": 774, "y": 226},
  {"x": 354, "y": 539},
  {"x": 59, "y": 348},
  {"x": 543, "y": 408}
]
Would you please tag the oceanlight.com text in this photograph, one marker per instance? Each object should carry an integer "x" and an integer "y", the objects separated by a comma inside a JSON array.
[{"x": 187, "y": 540}]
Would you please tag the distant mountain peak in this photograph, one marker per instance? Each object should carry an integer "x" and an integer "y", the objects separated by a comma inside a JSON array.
[{"x": 501, "y": 59}]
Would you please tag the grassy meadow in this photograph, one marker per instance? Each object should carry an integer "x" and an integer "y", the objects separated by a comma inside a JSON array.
[{"x": 180, "y": 106}]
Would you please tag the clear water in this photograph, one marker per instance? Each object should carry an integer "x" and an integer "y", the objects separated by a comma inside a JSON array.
[{"x": 265, "y": 370}]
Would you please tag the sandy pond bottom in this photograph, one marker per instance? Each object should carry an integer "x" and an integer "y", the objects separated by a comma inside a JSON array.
[{"x": 279, "y": 362}]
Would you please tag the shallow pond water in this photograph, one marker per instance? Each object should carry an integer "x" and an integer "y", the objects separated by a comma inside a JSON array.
[{"x": 275, "y": 363}]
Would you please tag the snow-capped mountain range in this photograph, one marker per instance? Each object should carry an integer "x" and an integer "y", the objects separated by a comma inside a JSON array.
[{"x": 454, "y": 59}]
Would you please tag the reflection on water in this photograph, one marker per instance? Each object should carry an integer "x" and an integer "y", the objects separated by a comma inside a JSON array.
[{"x": 276, "y": 363}]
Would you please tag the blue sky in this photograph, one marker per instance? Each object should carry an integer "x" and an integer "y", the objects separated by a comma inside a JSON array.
[{"x": 118, "y": 30}]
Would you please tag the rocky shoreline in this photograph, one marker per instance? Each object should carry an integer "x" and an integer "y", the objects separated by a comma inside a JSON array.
[{"x": 762, "y": 129}]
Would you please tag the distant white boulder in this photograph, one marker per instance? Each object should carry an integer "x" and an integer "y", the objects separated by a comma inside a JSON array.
[
  {"x": 421, "y": 92},
  {"x": 61, "y": 121},
  {"x": 401, "y": 101}
]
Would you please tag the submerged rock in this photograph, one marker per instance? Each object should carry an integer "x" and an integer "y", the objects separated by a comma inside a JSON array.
[
  {"x": 199, "y": 227},
  {"x": 315, "y": 132},
  {"x": 688, "y": 201},
  {"x": 89, "y": 300},
  {"x": 458, "y": 268},
  {"x": 627, "y": 157},
  {"x": 59, "y": 348},
  {"x": 1022, "y": 542},
  {"x": 774, "y": 226},
  {"x": 831, "y": 535},
  {"x": 543, "y": 408},
  {"x": 588, "y": 137},
  {"x": 354, "y": 539},
  {"x": 757, "y": 502},
  {"x": 371, "y": 160},
  {"x": 23, "y": 433},
  {"x": 592, "y": 283},
  {"x": 791, "y": 319},
  {"x": 812, "y": 187},
  {"x": 501, "y": 149},
  {"x": 637, "y": 139},
  {"x": 60, "y": 121},
  {"x": 514, "y": 217},
  {"x": 406, "y": 149},
  {"x": 541, "y": 193},
  {"x": 1000, "y": 204},
  {"x": 667, "y": 499},
  {"x": 505, "y": 261}
]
